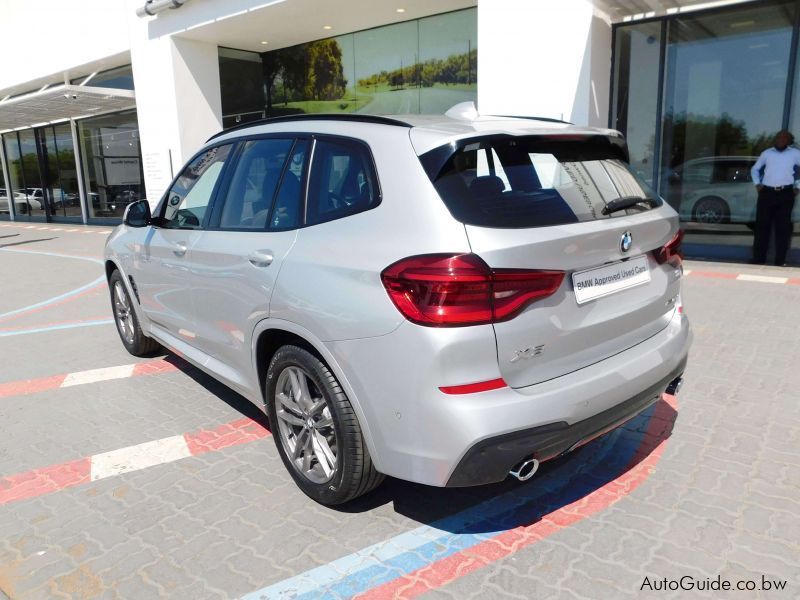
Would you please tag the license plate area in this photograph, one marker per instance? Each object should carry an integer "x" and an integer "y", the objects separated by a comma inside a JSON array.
[{"x": 599, "y": 282}]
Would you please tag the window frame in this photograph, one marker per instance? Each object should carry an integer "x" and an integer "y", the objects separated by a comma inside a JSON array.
[
  {"x": 213, "y": 214},
  {"x": 158, "y": 214},
  {"x": 370, "y": 165},
  {"x": 215, "y": 219}
]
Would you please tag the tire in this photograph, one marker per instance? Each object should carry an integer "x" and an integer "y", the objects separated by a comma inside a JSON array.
[
  {"x": 128, "y": 328},
  {"x": 332, "y": 465},
  {"x": 711, "y": 210}
]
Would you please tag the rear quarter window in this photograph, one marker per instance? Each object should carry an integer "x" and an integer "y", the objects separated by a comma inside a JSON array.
[
  {"x": 342, "y": 181},
  {"x": 521, "y": 182}
]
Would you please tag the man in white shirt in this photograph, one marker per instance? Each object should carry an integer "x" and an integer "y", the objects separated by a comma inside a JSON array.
[{"x": 776, "y": 193}]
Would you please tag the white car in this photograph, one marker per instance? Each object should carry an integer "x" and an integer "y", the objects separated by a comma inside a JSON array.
[
  {"x": 20, "y": 203},
  {"x": 718, "y": 190},
  {"x": 35, "y": 198},
  {"x": 445, "y": 299}
]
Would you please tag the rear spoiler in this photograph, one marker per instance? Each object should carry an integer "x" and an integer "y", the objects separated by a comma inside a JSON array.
[{"x": 607, "y": 145}]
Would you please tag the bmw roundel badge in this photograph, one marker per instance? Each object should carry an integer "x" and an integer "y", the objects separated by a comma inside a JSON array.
[{"x": 626, "y": 242}]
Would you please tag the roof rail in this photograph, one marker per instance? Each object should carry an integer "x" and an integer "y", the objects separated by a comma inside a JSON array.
[
  {"x": 547, "y": 119},
  {"x": 351, "y": 117}
]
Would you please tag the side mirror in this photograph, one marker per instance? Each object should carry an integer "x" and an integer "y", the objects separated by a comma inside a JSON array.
[{"x": 137, "y": 214}]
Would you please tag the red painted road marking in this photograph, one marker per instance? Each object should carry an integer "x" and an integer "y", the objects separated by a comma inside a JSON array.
[
  {"x": 53, "y": 478},
  {"x": 45, "y": 480},
  {"x": 32, "y": 386},
  {"x": 462, "y": 563},
  {"x": 230, "y": 434},
  {"x": 713, "y": 274}
]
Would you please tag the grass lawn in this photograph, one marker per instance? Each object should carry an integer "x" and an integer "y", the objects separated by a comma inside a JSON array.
[
  {"x": 375, "y": 89},
  {"x": 343, "y": 105}
]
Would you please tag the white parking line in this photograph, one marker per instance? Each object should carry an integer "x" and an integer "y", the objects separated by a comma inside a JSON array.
[
  {"x": 95, "y": 375},
  {"x": 762, "y": 278},
  {"x": 138, "y": 457}
]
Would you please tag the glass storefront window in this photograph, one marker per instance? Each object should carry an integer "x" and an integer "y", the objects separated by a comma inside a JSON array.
[
  {"x": 425, "y": 65},
  {"x": 120, "y": 78},
  {"x": 61, "y": 177},
  {"x": 697, "y": 131},
  {"x": 5, "y": 194},
  {"x": 23, "y": 167},
  {"x": 637, "y": 54},
  {"x": 448, "y": 61},
  {"x": 31, "y": 174},
  {"x": 241, "y": 88},
  {"x": 388, "y": 70},
  {"x": 725, "y": 93},
  {"x": 112, "y": 163}
]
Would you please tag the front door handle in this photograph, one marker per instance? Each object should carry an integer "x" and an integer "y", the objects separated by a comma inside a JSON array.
[
  {"x": 260, "y": 258},
  {"x": 179, "y": 248}
]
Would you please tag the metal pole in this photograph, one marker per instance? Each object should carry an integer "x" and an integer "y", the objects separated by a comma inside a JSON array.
[
  {"x": 12, "y": 209},
  {"x": 79, "y": 172}
]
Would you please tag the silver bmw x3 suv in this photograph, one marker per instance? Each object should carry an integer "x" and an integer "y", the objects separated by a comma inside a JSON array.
[{"x": 445, "y": 300}]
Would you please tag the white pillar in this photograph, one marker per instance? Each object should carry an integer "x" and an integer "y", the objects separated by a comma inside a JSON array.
[
  {"x": 548, "y": 58},
  {"x": 177, "y": 99}
]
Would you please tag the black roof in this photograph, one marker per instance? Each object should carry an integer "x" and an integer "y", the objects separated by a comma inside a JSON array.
[{"x": 350, "y": 117}]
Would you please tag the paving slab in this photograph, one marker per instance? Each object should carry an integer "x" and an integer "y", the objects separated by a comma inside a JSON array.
[{"x": 191, "y": 499}]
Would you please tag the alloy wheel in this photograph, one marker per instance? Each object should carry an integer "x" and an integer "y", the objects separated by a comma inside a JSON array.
[
  {"x": 305, "y": 425},
  {"x": 122, "y": 311}
]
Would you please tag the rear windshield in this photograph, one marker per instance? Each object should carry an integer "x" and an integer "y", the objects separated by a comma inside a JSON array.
[{"x": 536, "y": 181}]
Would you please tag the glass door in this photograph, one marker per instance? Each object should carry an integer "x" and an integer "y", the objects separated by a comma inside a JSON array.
[
  {"x": 25, "y": 185},
  {"x": 726, "y": 84},
  {"x": 58, "y": 172}
]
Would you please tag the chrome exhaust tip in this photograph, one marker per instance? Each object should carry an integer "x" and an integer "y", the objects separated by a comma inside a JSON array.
[
  {"x": 525, "y": 470},
  {"x": 674, "y": 386}
]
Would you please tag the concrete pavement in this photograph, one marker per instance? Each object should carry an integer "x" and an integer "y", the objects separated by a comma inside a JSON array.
[{"x": 144, "y": 478}]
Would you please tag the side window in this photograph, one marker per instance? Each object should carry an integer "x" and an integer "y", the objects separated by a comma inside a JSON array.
[
  {"x": 698, "y": 173},
  {"x": 189, "y": 197},
  {"x": 342, "y": 182},
  {"x": 254, "y": 182},
  {"x": 286, "y": 212}
]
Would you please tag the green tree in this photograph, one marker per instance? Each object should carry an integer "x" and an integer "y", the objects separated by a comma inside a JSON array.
[{"x": 327, "y": 73}]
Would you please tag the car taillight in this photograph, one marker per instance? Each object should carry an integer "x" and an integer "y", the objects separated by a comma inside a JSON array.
[
  {"x": 451, "y": 290},
  {"x": 671, "y": 252}
]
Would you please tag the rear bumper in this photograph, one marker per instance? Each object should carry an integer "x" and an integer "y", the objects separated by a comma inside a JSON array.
[
  {"x": 420, "y": 434},
  {"x": 490, "y": 460}
]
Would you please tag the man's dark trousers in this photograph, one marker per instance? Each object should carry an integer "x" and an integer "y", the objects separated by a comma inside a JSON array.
[{"x": 774, "y": 209}]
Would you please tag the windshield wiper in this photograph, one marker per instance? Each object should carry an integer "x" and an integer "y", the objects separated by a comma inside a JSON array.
[{"x": 618, "y": 204}]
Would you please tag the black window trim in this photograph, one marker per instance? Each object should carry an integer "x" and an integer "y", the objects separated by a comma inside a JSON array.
[
  {"x": 215, "y": 221},
  {"x": 301, "y": 208},
  {"x": 371, "y": 165},
  {"x": 213, "y": 213},
  {"x": 219, "y": 199}
]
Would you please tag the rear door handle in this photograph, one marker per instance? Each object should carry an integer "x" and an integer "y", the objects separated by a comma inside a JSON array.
[
  {"x": 179, "y": 248},
  {"x": 260, "y": 258}
]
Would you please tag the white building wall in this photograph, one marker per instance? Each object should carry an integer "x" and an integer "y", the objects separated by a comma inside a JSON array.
[
  {"x": 546, "y": 58},
  {"x": 43, "y": 37},
  {"x": 177, "y": 99}
]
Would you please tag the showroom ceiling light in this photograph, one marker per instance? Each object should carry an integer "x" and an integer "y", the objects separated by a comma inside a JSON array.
[
  {"x": 327, "y": 27},
  {"x": 264, "y": 42},
  {"x": 400, "y": 10}
]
